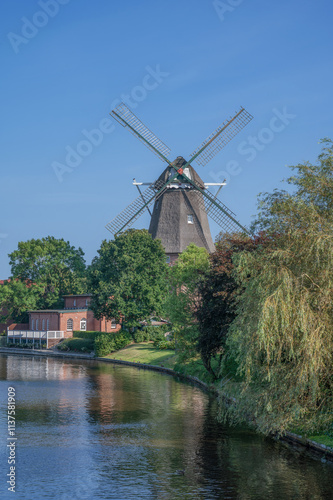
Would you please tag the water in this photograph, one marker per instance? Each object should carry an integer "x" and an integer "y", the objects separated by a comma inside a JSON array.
[{"x": 90, "y": 430}]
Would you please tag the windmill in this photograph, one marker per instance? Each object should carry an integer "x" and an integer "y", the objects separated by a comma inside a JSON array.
[{"x": 180, "y": 197}]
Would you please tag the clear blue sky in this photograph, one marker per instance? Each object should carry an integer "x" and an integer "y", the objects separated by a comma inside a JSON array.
[{"x": 65, "y": 62}]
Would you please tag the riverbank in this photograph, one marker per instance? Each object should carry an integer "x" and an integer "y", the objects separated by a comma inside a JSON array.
[{"x": 160, "y": 359}]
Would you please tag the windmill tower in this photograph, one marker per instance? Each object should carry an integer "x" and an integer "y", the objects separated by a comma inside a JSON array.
[{"x": 181, "y": 199}]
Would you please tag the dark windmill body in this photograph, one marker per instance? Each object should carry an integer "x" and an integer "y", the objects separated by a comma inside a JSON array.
[
  {"x": 181, "y": 199},
  {"x": 178, "y": 217}
]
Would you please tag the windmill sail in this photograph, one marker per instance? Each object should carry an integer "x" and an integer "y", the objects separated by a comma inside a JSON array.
[
  {"x": 220, "y": 138},
  {"x": 127, "y": 217},
  {"x": 128, "y": 119},
  {"x": 181, "y": 201}
]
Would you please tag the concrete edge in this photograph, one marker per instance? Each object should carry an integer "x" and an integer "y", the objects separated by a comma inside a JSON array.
[{"x": 289, "y": 437}]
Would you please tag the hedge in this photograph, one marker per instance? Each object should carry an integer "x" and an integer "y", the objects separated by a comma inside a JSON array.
[
  {"x": 110, "y": 342},
  {"x": 76, "y": 344},
  {"x": 86, "y": 335}
]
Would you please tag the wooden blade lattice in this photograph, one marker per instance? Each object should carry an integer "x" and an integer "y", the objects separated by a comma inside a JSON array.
[
  {"x": 128, "y": 119},
  {"x": 127, "y": 217},
  {"x": 219, "y": 212},
  {"x": 220, "y": 138}
]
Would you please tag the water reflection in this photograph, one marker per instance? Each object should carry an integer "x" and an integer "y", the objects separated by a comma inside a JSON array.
[{"x": 93, "y": 430}]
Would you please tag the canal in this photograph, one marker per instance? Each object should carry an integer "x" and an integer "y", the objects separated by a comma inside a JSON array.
[{"x": 91, "y": 430}]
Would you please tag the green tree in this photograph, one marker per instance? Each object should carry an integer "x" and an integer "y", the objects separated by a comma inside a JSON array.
[
  {"x": 16, "y": 298},
  {"x": 183, "y": 298},
  {"x": 219, "y": 292},
  {"x": 283, "y": 333},
  {"x": 128, "y": 278},
  {"x": 42, "y": 270}
]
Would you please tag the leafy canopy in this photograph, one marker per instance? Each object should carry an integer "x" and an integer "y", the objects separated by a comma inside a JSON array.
[
  {"x": 128, "y": 278},
  {"x": 183, "y": 298},
  {"x": 218, "y": 293},
  {"x": 282, "y": 335},
  {"x": 42, "y": 271}
]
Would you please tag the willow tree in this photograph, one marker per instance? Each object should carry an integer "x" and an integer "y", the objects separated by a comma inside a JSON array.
[{"x": 283, "y": 333}]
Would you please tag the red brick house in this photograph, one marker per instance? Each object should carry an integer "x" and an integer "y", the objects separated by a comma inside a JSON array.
[{"x": 74, "y": 316}]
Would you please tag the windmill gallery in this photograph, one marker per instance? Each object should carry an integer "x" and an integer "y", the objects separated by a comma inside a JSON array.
[{"x": 181, "y": 201}]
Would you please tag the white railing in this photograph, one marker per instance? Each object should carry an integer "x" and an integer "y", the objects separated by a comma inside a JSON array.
[
  {"x": 54, "y": 334},
  {"x": 36, "y": 336}
]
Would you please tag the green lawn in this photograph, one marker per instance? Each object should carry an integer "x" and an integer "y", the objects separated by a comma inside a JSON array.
[
  {"x": 145, "y": 353},
  {"x": 322, "y": 439}
]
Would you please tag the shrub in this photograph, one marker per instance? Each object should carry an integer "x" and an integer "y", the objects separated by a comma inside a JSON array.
[
  {"x": 104, "y": 345},
  {"x": 76, "y": 344},
  {"x": 86, "y": 335},
  {"x": 110, "y": 342},
  {"x": 164, "y": 344},
  {"x": 155, "y": 330},
  {"x": 141, "y": 336}
]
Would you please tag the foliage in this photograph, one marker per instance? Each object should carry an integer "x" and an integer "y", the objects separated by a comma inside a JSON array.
[
  {"x": 164, "y": 344},
  {"x": 127, "y": 279},
  {"x": 282, "y": 335},
  {"x": 76, "y": 344},
  {"x": 43, "y": 270},
  {"x": 141, "y": 336},
  {"x": 86, "y": 335},
  {"x": 219, "y": 291},
  {"x": 183, "y": 298},
  {"x": 110, "y": 342},
  {"x": 151, "y": 333},
  {"x": 17, "y": 297},
  {"x": 155, "y": 330}
]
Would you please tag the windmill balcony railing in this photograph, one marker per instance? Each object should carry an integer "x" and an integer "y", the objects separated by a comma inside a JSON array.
[{"x": 33, "y": 338}]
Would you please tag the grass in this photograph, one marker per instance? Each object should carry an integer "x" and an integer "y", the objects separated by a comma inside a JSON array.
[
  {"x": 146, "y": 353},
  {"x": 194, "y": 368},
  {"x": 322, "y": 439}
]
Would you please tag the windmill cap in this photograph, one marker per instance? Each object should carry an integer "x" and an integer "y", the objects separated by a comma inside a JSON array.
[{"x": 178, "y": 162}]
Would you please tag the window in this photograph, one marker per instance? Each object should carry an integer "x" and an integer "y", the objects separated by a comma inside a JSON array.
[
  {"x": 32, "y": 324},
  {"x": 113, "y": 323},
  {"x": 74, "y": 303},
  {"x": 87, "y": 302},
  {"x": 168, "y": 259},
  {"x": 69, "y": 324},
  {"x": 36, "y": 324},
  {"x": 83, "y": 324},
  {"x": 190, "y": 219},
  {"x": 47, "y": 324},
  {"x": 187, "y": 173},
  {"x": 43, "y": 324}
]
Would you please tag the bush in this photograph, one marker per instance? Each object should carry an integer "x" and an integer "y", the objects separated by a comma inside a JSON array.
[
  {"x": 141, "y": 336},
  {"x": 164, "y": 344},
  {"x": 155, "y": 330},
  {"x": 86, "y": 335},
  {"x": 110, "y": 342},
  {"x": 76, "y": 344},
  {"x": 104, "y": 345}
]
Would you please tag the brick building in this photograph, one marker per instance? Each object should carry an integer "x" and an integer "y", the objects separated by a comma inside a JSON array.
[{"x": 74, "y": 316}]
